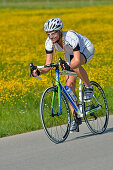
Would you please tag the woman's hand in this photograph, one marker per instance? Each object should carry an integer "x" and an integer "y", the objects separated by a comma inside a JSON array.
[
  {"x": 64, "y": 65},
  {"x": 34, "y": 71}
]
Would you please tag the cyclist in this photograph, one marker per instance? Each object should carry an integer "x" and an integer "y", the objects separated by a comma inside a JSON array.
[{"x": 78, "y": 50}]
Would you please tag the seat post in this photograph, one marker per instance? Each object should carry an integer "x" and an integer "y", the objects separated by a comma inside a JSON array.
[{"x": 80, "y": 95}]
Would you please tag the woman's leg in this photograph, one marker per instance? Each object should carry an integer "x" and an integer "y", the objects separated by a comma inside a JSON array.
[
  {"x": 71, "y": 82},
  {"x": 82, "y": 74},
  {"x": 80, "y": 71}
]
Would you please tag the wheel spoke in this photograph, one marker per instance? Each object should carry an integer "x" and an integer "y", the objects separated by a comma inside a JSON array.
[
  {"x": 100, "y": 116},
  {"x": 57, "y": 127}
]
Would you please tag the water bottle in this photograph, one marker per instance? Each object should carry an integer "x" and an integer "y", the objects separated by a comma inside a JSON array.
[{"x": 70, "y": 92}]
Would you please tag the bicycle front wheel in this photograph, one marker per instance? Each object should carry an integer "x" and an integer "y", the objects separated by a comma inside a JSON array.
[
  {"x": 56, "y": 127},
  {"x": 96, "y": 112}
]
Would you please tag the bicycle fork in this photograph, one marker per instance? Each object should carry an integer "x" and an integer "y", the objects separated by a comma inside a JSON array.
[
  {"x": 80, "y": 98},
  {"x": 54, "y": 94}
]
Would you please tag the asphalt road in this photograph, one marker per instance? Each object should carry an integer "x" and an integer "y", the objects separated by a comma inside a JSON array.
[{"x": 81, "y": 151}]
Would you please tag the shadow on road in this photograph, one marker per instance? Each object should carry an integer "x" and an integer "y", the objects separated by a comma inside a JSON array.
[
  {"x": 109, "y": 130},
  {"x": 81, "y": 137},
  {"x": 89, "y": 134}
]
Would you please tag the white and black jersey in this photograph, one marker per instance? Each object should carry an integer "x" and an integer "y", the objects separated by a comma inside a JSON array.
[{"x": 72, "y": 42}]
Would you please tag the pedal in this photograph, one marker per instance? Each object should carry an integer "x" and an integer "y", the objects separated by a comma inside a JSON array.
[
  {"x": 76, "y": 130},
  {"x": 90, "y": 100}
]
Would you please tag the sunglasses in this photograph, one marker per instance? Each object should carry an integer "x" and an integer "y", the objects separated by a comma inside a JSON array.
[{"x": 52, "y": 34}]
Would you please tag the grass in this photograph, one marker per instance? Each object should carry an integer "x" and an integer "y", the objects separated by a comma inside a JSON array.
[
  {"x": 20, "y": 117},
  {"x": 109, "y": 95}
]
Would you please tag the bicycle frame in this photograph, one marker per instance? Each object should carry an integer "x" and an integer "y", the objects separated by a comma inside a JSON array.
[
  {"x": 79, "y": 110},
  {"x": 61, "y": 88},
  {"x": 54, "y": 110}
]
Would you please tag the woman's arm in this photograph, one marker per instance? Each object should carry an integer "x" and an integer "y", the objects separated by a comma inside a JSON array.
[{"x": 49, "y": 58}]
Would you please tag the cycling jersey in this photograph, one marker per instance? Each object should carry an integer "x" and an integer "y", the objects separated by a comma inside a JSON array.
[{"x": 72, "y": 42}]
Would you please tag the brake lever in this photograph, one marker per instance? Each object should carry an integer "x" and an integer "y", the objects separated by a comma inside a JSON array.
[
  {"x": 32, "y": 68},
  {"x": 39, "y": 77}
]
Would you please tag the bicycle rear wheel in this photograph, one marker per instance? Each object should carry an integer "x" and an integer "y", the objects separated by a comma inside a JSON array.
[
  {"x": 96, "y": 112},
  {"x": 56, "y": 127}
]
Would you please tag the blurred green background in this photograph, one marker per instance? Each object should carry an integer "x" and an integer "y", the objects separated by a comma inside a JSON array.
[{"x": 52, "y": 3}]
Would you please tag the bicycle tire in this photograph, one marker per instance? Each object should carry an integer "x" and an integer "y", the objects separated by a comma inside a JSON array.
[
  {"x": 57, "y": 128},
  {"x": 96, "y": 121}
]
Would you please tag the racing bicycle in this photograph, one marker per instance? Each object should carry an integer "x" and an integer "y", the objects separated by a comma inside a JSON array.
[{"x": 55, "y": 112}]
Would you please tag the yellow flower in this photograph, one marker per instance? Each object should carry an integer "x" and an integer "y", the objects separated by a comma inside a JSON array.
[{"x": 22, "y": 41}]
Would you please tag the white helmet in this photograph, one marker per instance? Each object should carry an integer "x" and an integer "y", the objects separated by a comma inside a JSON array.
[{"x": 54, "y": 24}]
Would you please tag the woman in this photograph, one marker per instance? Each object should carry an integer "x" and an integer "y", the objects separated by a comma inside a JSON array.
[{"x": 78, "y": 50}]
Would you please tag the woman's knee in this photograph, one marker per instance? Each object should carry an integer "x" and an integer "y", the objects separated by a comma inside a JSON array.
[
  {"x": 79, "y": 62},
  {"x": 76, "y": 70}
]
